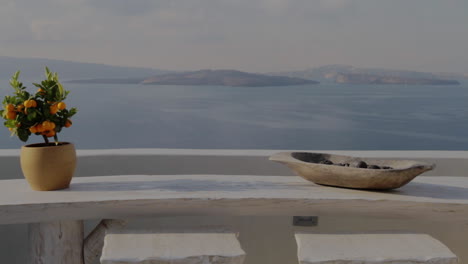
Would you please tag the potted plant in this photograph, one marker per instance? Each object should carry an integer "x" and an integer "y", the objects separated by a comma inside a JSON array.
[{"x": 49, "y": 165}]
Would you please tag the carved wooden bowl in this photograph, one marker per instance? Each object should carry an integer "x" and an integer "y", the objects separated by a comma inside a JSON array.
[{"x": 308, "y": 166}]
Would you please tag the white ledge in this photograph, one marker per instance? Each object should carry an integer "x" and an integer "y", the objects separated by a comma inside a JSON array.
[
  {"x": 256, "y": 152},
  {"x": 120, "y": 197}
]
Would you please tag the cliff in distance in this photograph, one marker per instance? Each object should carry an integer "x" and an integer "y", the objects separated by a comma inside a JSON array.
[
  {"x": 355, "y": 75},
  {"x": 356, "y": 78}
]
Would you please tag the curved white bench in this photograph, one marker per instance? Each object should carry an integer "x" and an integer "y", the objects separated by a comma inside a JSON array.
[{"x": 440, "y": 199}]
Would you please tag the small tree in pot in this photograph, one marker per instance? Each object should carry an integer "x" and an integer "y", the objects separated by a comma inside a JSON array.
[{"x": 46, "y": 166}]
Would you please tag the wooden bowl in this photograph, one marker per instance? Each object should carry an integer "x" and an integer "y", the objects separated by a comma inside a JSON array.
[{"x": 308, "y": 166}]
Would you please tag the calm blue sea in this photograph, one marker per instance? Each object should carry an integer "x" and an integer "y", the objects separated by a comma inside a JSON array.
[{"x": 325, "y": 116}]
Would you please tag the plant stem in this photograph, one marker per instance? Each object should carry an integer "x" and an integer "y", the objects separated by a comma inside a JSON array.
[
  {"x": 56, "y": 140},
  {"x": 46, "y": 140}
]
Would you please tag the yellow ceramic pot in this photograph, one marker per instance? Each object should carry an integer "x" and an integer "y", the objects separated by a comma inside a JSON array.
[{"x": 48, "y": 167}]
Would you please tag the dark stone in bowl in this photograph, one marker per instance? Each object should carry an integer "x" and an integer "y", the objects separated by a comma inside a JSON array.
[{"x": 359, "y": 164}]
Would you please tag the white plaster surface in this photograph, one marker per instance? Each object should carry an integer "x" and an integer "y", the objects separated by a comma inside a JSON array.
[
  {"x": 176, "y": 248},
  {"x": 230, "y": 162},
  {"x": 372, "y": 248},
  {"x": 120, "y": 197},
  {"x": 257, "y": 152},
  {"x": 267, "y": 152}
]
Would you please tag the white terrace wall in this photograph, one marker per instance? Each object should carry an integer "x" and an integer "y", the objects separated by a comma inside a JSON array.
[
  {"x": 265, "y": 239},
  {"x": 234, "y": 162}
]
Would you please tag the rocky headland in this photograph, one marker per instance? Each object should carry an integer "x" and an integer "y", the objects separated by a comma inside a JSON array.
[{"x": 358, "y": 78}]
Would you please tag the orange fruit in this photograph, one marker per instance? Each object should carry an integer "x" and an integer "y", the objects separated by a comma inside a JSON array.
[
  {"x": 33, "y": 129},
  {"x": 49, "y": 133},
  {"x": 10, "y": 107},
  {"x": 20, "y": 108},
  {"x": 11, "y": 129},
  {"x": 61, "y": 105},
  {"x": 11, "y": 115},
  {"x": 47, "y": 125},
  {"x": 39, "y": 128},
  {"x": 41, "y": 91},
  {"x": 68, "y": 123},
  {"x": 53, "y": 109},
  {"x": 30, "y": 103}
]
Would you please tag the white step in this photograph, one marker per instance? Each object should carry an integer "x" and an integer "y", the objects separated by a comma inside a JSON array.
[
  {"x": 372, "y": 248},
  {"x": 163, "y": 247}
]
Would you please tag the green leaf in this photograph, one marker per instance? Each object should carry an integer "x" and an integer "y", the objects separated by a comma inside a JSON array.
[
  {"x": 72, "y": 112},
  {"x": 61, "y": 90},
  {"x": 47, "y": 73},
  {"x": 10, "y": 123},
  {"x": 32, "y": 115},
  {"x": 23, "y": 134},
  {"x": 25, "y": 96}
]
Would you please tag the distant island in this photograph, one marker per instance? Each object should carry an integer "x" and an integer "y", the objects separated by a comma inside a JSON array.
[
  {"x": 359, "y": 78},
  {"x": 209, "y": 77},
  {"x": 225, "y": 78}
]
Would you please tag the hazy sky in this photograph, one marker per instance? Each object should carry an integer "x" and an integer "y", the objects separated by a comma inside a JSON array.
[{"x": 253, "y": 35}]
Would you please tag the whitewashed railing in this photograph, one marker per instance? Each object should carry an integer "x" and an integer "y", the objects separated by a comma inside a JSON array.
[{"x": 270, "y": 231}]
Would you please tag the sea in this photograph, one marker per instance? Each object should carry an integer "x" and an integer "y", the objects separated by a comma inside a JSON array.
[
  {"x": 313, "y": 117},
  {"x": 309, "y": 117}
]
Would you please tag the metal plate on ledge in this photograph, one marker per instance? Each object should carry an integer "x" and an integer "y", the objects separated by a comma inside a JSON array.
[{"x": 305, "y": 220}]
